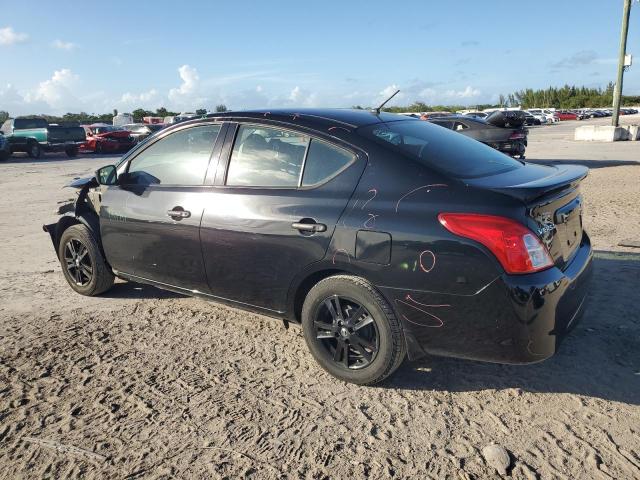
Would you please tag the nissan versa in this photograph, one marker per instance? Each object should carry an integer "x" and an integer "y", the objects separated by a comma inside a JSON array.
[{"x": 383, "y": 235}]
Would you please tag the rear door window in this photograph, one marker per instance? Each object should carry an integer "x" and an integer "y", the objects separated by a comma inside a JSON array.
[
  {"x": 323, "y": 162},
  {"x": 181, "y": 158},
  {"x": 267, "y": 157}
]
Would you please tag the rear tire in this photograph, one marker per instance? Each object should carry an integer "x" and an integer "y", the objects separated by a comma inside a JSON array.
[
  {"x": 34, "y": 150},
  {"x": 82, "y": 262},
  {"x": 361, "y": 344},
  {"x": 71, "y": 152}
]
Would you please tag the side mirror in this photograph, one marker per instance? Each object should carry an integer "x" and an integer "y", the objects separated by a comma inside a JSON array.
[{"x": 107, "y": 175}]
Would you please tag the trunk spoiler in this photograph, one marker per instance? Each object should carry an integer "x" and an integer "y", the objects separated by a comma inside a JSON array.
[{"x": 532, "y": 181}]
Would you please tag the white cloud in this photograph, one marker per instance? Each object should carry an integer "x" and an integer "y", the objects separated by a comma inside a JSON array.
[
  {"x": 61, "y": 45},
  {"x": 148, "y": 99},
  {"x": 190, "y": 82},
  {"x": 57, "y": 92},
  {"x": 10, "y": 37},
  {"x": 468, "y": 92}
]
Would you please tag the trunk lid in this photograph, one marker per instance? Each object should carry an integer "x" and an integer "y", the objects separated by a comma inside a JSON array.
[{"x": 551, "y": 196}]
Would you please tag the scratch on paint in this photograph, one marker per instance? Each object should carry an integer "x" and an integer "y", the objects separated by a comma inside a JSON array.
[
  {"x": 408, "y": 297},
  {"x": 371, "y": 218},
  {"x": 266, "y": 113},
  {"x": 375, "y": 192},
  {"x": 428, "y": 187},
  {"x": 340, "y": 250},
  {"x": 433, "y": 261},
  {"x": 353, "y": 207},
  {"x": 295, "y": 116},
  {"x": 334, "y": 128}
]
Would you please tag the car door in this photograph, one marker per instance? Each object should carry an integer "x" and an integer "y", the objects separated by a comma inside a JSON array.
[
  {"x": 273, "y": 210},
  {"x": 150, "y": 221}
]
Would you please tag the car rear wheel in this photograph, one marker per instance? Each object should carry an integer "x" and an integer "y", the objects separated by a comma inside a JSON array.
[
  {"x": 34, "y": 150},
  {"x": 71, "y": 151},
  {"x": 351, "y": 330},
  {"x": 82, "y": 262}
]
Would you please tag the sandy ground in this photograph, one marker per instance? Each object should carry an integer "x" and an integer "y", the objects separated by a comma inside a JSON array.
[{"x": 143, "y": 383}]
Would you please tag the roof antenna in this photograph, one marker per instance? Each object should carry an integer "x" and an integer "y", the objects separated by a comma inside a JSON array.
[{"x": 377, "y": 110}]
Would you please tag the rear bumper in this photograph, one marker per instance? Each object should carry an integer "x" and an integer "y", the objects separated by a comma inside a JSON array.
[{"x": 514, "y": 319}]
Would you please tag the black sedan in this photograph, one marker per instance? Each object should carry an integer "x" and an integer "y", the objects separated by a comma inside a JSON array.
[
  {"x": 382, "y": 235},
  {"x": 506, "y": 139}
]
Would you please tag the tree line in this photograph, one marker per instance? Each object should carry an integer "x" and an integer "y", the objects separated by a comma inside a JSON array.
[{"x": 85, "y": 118}]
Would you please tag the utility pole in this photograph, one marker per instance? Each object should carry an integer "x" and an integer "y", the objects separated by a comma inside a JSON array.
[{"x": 617, "y": 92}]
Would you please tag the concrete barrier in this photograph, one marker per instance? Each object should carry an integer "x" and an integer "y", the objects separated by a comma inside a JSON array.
[{"x": 601, "y": 133}]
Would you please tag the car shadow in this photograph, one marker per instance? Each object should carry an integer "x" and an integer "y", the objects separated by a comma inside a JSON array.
[
  {"x": 600, "y": 358},
  {"x": 138, "y": 291},
  {"x": 585, "y": 163}
]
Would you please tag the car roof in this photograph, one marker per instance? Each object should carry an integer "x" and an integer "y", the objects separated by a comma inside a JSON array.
[{"x": 317, "y": 117}]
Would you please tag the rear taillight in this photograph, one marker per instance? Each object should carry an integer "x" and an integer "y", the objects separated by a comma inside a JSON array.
[
  {"x": 516, "y": 136},
  {"x": 515, "y": 246}
]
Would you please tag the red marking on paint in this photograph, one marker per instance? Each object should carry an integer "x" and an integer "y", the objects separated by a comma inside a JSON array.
[
  {"x": 439, "y": 321},
  {"x": 433, "y": 261},
  {"x": 375, "y": 192},
  {"x": 340, "y": 250},
  {"x": 410, "y": 298},
  {"x": 371, "y": 217},
  {"x": 433, "y": 185}
]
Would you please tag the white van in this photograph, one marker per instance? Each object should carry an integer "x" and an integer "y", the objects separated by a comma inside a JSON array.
[{"x": 122, "y": 119}]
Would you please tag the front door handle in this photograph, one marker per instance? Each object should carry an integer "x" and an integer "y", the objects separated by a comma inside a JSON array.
[
  {"x": 178, "y": 213},
  {"x": 309, "y": 227}
]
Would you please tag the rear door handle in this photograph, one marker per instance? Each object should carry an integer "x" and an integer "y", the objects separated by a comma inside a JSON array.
[
  {"x": 309, "y": 227},
  {"x": 177, "y": 213}
]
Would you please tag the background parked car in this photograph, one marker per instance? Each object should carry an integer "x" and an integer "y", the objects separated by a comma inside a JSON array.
[
  {"x": 5, "y": 150},
  {"x": 566, "y": 115},
  {"x": 511, "y": 140},
  {"x": 532, "y": 119},
  {"x": 35, "y": 135},
  {"x": 101, "y": 137},
  {"x": 140, "y": 131}
]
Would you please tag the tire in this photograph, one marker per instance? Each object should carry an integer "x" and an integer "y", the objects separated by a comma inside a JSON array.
[
  {"x": 71, "y": 152},
  {"x": 101, "y": 277},
  {"x": 378, "y": 327},
  {"x": 34, "y": 150}
]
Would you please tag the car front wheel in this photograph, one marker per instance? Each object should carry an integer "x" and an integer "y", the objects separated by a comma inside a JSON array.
[
  {"x": 352, "y": 331},
  {"x": 82, "y": 262}
]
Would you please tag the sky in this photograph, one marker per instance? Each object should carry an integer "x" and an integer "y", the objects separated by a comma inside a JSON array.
[{"x": 58, "y": 57}]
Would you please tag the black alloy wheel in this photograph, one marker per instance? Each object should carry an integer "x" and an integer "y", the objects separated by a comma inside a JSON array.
[
  {"x": 78, "y": 262},
  {"x": 347, "y": 331},
  {"x": 351, "y": 330},
  {"x": 82, "y": 262}
]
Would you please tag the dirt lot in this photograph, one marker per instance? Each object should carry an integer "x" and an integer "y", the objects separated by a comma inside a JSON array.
[{"x": 144, "y": 383}]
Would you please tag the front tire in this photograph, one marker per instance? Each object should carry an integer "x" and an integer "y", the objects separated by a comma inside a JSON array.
[
  {"x": 34, "y": 150},
  {"x": 82, "y": 262},
  {"x": 352, "y": 331}
]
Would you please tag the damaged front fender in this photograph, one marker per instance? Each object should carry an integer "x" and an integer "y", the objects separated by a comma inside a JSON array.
[{"x": 75, "y": 212}]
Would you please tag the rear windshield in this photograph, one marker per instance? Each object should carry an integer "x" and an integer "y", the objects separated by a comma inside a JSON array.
[
  {"x": 24, "y": 123},
  {"x": 440, "y": 148}
]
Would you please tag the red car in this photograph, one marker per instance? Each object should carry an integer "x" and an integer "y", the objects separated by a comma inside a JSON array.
[
  {"x": 107, "y": 138},
  {"x": 563, "y": 115}
]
